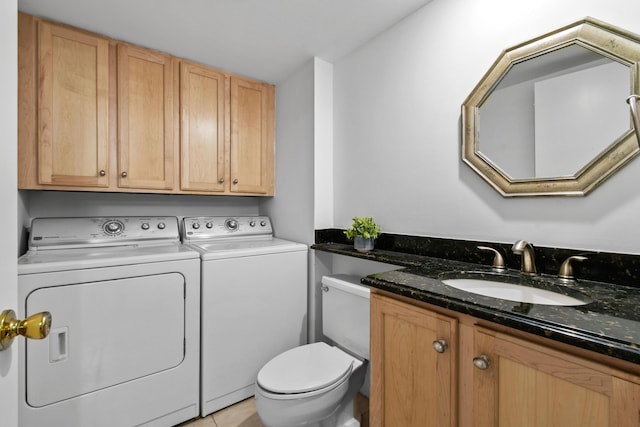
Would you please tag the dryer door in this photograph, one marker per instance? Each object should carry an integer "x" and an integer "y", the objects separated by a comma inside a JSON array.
[{"x": 104, "y": 333}]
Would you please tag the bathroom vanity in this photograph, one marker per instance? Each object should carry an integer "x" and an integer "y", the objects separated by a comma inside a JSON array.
[{"x": 441, "y": 356}]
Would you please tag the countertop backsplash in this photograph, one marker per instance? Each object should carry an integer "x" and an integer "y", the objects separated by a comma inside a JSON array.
[{"x": 621, "y": 269}]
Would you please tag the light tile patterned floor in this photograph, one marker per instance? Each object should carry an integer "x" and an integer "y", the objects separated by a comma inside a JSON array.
[{"x": 242, "y": 414}]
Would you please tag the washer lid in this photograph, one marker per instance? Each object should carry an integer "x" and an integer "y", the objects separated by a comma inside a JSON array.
[{"x": 306, "y": 368}]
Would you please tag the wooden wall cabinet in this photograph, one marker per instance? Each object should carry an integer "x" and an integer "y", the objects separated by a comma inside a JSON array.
[
  {"x": 203, "y": 129},
  {"x": 73, "y": 108},
  {"x": 102, "y": 115},
  {"x": 252, "y": 112},
  {"x": 146, "y": 119},
  {"x": 487, "y": 377}
]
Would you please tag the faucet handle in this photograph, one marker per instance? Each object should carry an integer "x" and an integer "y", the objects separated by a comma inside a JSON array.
[
  {"x": 498, "y": 259},
  {"x": 566, "y": 269}
]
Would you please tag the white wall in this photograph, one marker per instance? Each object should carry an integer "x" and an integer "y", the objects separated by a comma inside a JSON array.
[
  {"x": 291, "y": 209},
  {"x": 9, "y": 212},
  {"x": 397, "y": 131}
]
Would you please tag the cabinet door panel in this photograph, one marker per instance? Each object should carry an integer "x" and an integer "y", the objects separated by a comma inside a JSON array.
[
  {"x": 202, "y": 119},
  {"x": 252, "y": 107},
  {"x": 145, "y": 118},
  {"x": 73, "y": 115},
  {"x": 411, "y": 383},
  {"x": 532, "y": 386}
]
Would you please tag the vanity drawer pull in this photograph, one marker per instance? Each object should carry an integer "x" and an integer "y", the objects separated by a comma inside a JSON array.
[
  {"x": 482, "y": 362},
  {"x": 440, "y": 346}
]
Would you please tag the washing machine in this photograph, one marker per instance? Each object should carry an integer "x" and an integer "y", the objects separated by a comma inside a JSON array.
[
  {"x": 254, "y": 302},
  {"x": 123, "y": 350}
]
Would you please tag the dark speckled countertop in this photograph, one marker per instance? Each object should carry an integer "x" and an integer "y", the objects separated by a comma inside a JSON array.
[{"x": 609, "y": 323}]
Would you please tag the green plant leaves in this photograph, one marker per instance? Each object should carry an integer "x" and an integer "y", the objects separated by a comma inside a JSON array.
[{"x": 364, "y": 226}]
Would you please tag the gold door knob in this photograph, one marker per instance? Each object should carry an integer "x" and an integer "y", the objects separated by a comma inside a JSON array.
[{"x": 35, "y": 327}]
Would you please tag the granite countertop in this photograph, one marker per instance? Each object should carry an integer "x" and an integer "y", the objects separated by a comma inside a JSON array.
[{"x": 608, "y": 324}]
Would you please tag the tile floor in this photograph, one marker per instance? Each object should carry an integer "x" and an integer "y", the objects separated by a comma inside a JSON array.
[{"x": 243, "y": 414}]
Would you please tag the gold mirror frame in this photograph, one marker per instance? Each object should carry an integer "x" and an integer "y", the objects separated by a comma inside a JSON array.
[{"x": 589, "y": 33}]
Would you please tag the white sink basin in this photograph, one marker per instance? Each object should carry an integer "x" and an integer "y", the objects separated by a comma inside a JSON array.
[{"x": 512, "y": 292}]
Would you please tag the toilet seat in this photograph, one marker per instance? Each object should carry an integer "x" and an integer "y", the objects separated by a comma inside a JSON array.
[{"x": 306, "y": 369}]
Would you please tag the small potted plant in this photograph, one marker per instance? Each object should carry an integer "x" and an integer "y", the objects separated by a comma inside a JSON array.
[{"x": 363, "y": 231}]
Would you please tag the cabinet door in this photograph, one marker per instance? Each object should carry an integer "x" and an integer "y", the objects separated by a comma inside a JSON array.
[
  {"x": 528, "y": 385},
  {"x": 73, "y": 113},
  {"x": 411, "y": 383},
  {"x": 202, "y": 128},
  {"x": 252, "y": 133},
  {"x": 145, "y": 119}
]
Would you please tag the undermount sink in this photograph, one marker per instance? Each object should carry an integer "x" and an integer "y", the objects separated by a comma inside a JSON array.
[{"x": 513, "y": 292}]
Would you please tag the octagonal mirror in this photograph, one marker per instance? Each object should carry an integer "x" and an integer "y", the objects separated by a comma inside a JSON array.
[{"x": 550, "y": 116}]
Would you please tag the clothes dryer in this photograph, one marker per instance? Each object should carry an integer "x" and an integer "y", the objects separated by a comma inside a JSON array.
[
  {"x": 254, "y": 302},
  {"x": 123, "y": 349}
]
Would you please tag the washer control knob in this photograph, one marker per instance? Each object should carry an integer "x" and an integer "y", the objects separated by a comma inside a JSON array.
[
  {"x": 252, "y": 223},
  {"x": 209, "y": 225},
  {"x": 231, "y": 224},
  {"x": 145, "y": 226},
  {"x": 161, "y": 225},
  {"x": 263, "y": 223},
  {"x": 195, "y": 226},
  {"x": 113, "y": 227}
]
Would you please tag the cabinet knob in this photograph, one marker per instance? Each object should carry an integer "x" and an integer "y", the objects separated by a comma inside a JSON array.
[
  {"x": 235, "y": 181},
  {"x": 440, "y": 346},
  {"x": 123, "y": 174},
  {"x": 482, "y": 362},
  {"x": 221, "y": 180},
  {"x": 102, "y": 172}
]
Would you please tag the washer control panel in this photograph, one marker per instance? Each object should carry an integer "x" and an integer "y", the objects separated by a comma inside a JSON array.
[
  {"x": 97, "y": 231},
  {"x": 220, "y": 227}
]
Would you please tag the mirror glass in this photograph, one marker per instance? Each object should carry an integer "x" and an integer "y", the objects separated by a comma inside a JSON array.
[
  {"x": 563, "y": 109},
  {"x": 550, "y": 117}
]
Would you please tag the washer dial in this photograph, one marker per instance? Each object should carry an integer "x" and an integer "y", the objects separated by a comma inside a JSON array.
[
  {"x": 113, "y": 227},
  {"x": 231, "y": 224}
]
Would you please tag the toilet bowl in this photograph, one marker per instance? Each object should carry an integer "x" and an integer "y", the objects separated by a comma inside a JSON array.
[{"x": 315, "y": 384}]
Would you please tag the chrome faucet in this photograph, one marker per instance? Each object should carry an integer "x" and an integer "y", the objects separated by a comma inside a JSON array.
[{"x": 524, "y": 248}]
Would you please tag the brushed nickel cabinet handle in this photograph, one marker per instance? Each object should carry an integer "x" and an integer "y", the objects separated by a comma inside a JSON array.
[
  {"x": 123, "y": 174},
  {"x": 440, "y": 346},
  {"x": 482, "y": 362},
  {"x": 102, "y": 172}
]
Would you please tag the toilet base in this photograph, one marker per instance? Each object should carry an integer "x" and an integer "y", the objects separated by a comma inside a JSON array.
[{"x": 344, "y": 418}]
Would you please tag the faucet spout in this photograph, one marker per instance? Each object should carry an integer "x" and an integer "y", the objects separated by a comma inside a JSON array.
[{"x": 525, "y": 249}]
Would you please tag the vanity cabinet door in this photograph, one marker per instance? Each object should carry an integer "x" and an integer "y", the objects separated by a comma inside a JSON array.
[
  {"x": 202, "y": 128},
  {"x": 528, "y": 385},
  {"x": 146, "y": 116},
  {"x": 73, "y": 107},
  {"x": 412, "y": 384},
  {"x": 252, "y": 137}
]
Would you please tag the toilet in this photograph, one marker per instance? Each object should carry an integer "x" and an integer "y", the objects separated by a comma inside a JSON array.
[{"x": 314, "y": 385}]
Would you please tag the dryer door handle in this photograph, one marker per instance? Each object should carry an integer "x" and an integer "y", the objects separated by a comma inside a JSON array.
[{"x": 36, "y": 326}]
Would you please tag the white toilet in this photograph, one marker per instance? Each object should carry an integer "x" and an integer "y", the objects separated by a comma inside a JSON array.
[{"x": 314, "y": 385}]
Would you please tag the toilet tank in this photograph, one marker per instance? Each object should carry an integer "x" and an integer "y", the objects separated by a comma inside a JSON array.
[{"x": 345, "y": 313}]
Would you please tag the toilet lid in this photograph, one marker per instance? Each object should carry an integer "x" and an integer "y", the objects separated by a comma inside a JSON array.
[{"x": 306, "y": 368}]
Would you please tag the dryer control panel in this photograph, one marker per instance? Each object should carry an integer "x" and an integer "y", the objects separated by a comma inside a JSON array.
[
  {"x": 221, "y": 227},
  {"x": 52, "y": 233}
]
